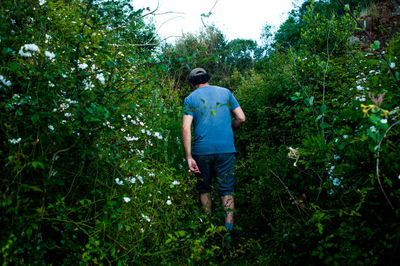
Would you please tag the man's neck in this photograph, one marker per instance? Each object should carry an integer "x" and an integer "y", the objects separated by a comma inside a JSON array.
[{"x": 201, "y": 85}]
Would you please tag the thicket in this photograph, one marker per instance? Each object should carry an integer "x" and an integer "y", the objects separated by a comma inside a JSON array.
[{"x": 93, "y": 168}]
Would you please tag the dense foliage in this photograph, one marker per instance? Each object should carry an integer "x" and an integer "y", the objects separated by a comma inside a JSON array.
[{"x": 93, "y": 168}]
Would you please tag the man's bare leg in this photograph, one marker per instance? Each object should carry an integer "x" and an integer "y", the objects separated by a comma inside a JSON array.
[
  {"x": 229, "y": 206},
  {"x": 205, "y": 199}
]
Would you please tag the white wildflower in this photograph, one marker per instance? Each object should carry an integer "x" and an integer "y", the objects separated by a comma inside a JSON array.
[
  {"x": 63, "y": 106},
  {"x": 336, "y": 181},
  {"x": 68, "y": 114},
  {"x": 142, "y": 230},
  {"x": 148, "y": 132},
  {"x": 147, "y": 218},
  {"x": 158, "y": 135},
  {"x": 15, "y": 141},
  {"x": 26, "y": 50},
  {"x": 83, "y": 66},
  {"x": 384, "y": 121},
  {"x": 143, "y": 131},
  {"x": 373, "y": 128},
  {"x": 169, "y": 202},
  {"x": 51, "y": 127},
  {"x": 123, "y": 129},
  {"x": 42, "y": 2},
  {"x": 101, "y": 78},
  {"x": 132, "y": 180},
  {"x": 118, "y": 181},
  {"x": 50, "y": 55},
  {"x": 4, "y": 81},
  {"x": 126, "y": 199},
  {"x": 140, "y": 178},
  {"x": 176, "y": 183},
  {"x": 129, "y": 138},
  {"x": 392, "y": 65}
]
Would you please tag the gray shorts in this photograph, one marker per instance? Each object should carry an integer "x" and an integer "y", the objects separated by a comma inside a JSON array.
[{"x": 219, "y": 167}]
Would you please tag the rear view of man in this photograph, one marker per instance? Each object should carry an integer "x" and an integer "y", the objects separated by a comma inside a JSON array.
[{"x": 209, "y": 109}]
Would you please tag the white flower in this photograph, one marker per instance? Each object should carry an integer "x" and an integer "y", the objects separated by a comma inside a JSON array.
[
  {"x": 345, "y": 136},
  {"x": 148, "y": 132},
  {"x": 141, "y": 123},
  {"x": 101, "y": 78},
  {"x": 26, "y": 50},
  {"x": 64, "y": 106},
  {"x": 373, "y": 128},
  {"x": 169, "y": 202},
  {"x": 147, "y": 218},
  {"x": 158, "y": 135},
  {"x": 88, "y": 84},
  {"x": 384, "y": 121},
  {"x": 132, "y": 180},
  {"x": 50, "y": 55},
  {"x": 42, "y": 2},
  {"x": 51, "y": 127},
  {"x": 176, "y": 183},
  {"x": 126, "y": 199},
  {"x": 123, "y": 129},
  {"x": 83, "y": 66},
  {"x": 143, "y": 131},
  {"x": 15, "y": 141},
  {"x": 4, "y": 81},
  {"x": 336, "y": 181},
  {"x": 392, "y": 65},
  {"x": 140, "y": 178},
  {"x": 129, "y": 138},
  {"x": 68, "y": 114},
  {"x": 142, "y": 230},
  {"x": 118, "y": 181}
]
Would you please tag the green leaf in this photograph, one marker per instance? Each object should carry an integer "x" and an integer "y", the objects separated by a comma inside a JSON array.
[
  {"x": 214, "y": 112},
  {"x": 35, "y": 118},
  {"x": 376, "y": 45},
  {"x": 325, "y": 125},
  {"x": 347, "y": 7},
  {"x": 309, "y": 101},
  {"x": 323, "y": 109},
  {"x": 36, "y": 164}
]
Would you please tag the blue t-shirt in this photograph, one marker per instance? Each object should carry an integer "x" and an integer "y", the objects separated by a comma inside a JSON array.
[{"x": 211, "y": 108}]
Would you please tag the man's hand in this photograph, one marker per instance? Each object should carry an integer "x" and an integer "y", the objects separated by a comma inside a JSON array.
[{"x": 193, "y": 166}]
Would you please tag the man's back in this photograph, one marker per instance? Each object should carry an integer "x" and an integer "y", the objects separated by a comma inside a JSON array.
[{"x": 211, "y": 108}]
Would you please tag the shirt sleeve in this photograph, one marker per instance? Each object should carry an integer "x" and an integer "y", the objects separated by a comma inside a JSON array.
[
  {"x": 187, "y": 109},
  {"x": 233, "y": 103}
]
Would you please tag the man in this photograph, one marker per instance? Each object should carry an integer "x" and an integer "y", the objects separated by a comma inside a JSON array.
[{"x": 209, "y": 108}]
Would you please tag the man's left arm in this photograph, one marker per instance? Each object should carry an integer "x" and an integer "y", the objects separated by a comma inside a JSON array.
[{"x": 238, "y": 116}]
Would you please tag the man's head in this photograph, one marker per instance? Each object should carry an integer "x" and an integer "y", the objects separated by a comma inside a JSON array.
[{"x": 198, "y": 76}]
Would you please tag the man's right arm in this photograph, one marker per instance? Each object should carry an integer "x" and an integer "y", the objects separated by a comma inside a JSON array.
[
  {"x": 238, "y": 116},
  {"x": 187, "y": 142}
]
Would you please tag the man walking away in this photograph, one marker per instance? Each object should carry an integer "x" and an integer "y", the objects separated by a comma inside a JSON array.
[{"x": 209, "y": 109}]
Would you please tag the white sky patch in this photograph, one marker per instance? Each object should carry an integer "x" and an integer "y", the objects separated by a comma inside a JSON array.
[{"x": 235, "y": 18}]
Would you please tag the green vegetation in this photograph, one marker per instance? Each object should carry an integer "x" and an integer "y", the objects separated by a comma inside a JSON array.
[{"x": 93, "y": 167}]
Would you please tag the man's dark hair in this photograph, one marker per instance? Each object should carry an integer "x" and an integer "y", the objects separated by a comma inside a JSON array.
[{"x": 200, "y": 79}]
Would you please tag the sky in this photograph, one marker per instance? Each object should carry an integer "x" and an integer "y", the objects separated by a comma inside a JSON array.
[{"x": 243, "y": 19}]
